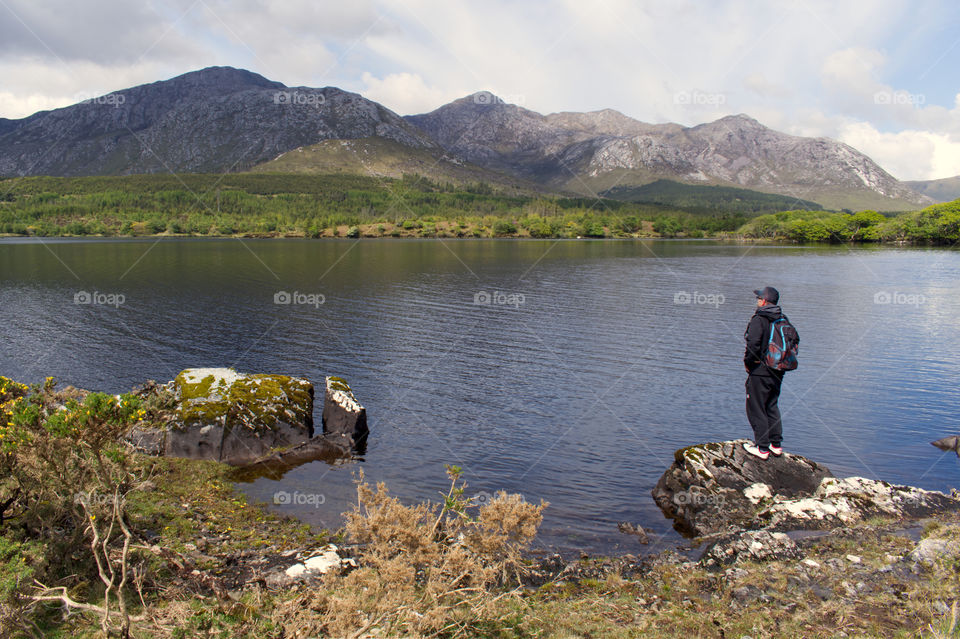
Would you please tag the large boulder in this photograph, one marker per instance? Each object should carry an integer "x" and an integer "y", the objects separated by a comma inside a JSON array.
[
  {"x": 718, "y": 487},
  {"x": 232, "y": 417}
]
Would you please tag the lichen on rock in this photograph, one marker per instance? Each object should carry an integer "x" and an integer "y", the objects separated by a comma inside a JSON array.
[
  {"x": 344, "y": 419},
  {"x": 718, "y": 488},
  {"x": 237, "y": 418},
  {"x": 257, "y": 401}
]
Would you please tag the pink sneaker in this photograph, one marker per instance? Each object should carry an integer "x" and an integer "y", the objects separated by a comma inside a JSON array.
[
  {"x": 776, "y": 450},
  {"x": 756, "y": 452}
]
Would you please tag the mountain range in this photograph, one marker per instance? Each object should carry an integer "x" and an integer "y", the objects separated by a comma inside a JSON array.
[{"x": 223, "y": 119}]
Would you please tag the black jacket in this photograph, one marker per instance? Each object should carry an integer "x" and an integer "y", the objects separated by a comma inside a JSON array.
[{"x": 757, "y": 335}]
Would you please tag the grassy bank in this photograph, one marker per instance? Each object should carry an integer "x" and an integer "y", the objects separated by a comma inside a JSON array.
[{"x": 96, "y": 540}]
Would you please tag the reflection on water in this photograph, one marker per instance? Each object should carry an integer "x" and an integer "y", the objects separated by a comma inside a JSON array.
[{"x": 566, "y": 371}]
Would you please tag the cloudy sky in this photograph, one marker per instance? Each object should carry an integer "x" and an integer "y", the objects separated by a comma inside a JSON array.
[{"x": 880, "y": 75}]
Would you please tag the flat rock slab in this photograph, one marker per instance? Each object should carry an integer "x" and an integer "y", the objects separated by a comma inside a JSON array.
[
  {"x": 716, "y": 488},
  {"x": 840, "y": 502}
]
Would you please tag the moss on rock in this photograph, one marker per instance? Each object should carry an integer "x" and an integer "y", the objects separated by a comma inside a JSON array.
[{"x": 224, "y": 397}]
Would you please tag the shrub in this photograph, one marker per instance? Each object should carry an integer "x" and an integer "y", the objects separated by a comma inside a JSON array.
[
  {"x": 425, "y": 569},
  {"x": 504, "y": 227},
  {"x": 65, "y": 473}
]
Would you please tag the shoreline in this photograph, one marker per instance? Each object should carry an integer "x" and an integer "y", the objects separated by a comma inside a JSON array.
[{"x": 266, "y": 236}]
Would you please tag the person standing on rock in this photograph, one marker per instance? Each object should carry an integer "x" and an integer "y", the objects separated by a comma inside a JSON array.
[{"x": 763, "y": 382}]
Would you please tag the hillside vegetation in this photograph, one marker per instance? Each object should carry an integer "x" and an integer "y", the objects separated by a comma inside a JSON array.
[
  {"x": 300, "y": 205},
  {"x": 317, "y": 206}
]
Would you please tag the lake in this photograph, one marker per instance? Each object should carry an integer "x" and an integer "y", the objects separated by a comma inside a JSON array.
[{"x": 567, "y": 371}]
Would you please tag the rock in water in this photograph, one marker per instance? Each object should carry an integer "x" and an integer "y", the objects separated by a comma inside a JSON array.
[
  {"x": 949, "y": 443},
  {"x": 718, "y": 487},
  {"x": 344, "y": 419},
  {"x": 232, "y": 417},
  {"x": 713, "y": 487}
]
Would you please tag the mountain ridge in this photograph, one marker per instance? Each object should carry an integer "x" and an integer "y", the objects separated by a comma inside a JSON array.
[
  {"x": 581, "y": 152},
  {"x": 215, "y": 119},
  {"x": 223, "y": 119}
]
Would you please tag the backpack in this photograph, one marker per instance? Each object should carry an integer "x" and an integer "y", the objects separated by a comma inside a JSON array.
[{"x": 783, "y": 346}]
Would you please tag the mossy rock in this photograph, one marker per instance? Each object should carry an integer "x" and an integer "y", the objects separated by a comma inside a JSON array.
[
  {"x": 223, "y": 397},
  {"x": 236, "y": 418}
]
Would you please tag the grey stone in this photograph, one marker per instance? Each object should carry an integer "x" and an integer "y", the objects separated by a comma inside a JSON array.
[
  {"x": 231, "y": 417},
  {"x": 344, "y": 419},
  {"x": 703, "y": 491},
  {"x": 929, "y": 550},
  {"x": 752, "y": 545},
  {"x": 718, "y": 487}
]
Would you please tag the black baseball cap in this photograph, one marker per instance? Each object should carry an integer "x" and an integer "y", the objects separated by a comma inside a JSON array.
[{"x": 768, "y": 293}]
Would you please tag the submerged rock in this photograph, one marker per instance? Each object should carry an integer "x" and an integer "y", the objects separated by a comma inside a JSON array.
[
  {"x": 718, "y": 487},
  {"x": 951, "y": 443}
]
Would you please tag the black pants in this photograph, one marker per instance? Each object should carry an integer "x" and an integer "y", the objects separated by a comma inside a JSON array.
[{"x": 762, "y": 411}]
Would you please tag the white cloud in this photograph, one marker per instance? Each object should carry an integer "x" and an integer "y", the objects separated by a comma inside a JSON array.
[
  {"x": 815, "y": 68},
  {"x": 31, "y": 84},
  {"x": 404, "y": 92},
  {"x": 907, "y": 155}
]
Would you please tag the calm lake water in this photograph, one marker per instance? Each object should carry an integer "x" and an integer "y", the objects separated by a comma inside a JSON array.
[{"x": 574, "y": 384}]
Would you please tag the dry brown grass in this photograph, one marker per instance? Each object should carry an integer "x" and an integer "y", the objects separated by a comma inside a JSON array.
[{"x": 426, "y": 570}]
